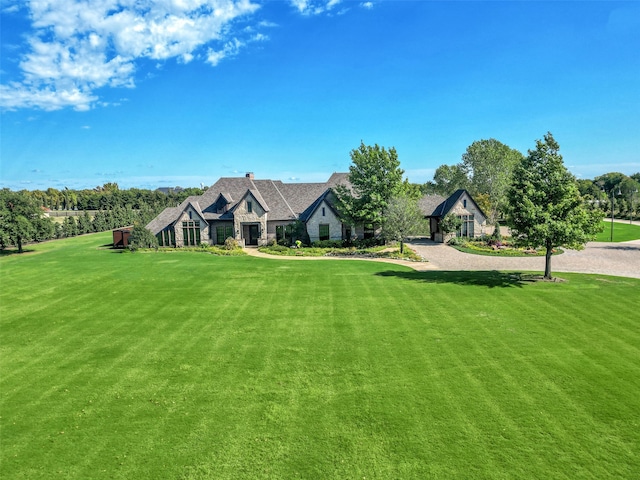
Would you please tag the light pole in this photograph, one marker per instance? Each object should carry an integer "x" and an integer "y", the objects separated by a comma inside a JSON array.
[{"x": 612, "y": 194}]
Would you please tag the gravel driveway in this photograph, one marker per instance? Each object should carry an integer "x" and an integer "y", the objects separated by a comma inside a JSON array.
[{"x": 619, "y": 259}]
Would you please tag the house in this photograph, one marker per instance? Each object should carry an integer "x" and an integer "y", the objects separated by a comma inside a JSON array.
[
  {"x": 253, "y": 212},
  {"x": 461, "y": 204},
  {"x": 168, "y": 190}
]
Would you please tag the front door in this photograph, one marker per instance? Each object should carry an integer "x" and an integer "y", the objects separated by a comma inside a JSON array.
[{"x": 254, "y": 234}]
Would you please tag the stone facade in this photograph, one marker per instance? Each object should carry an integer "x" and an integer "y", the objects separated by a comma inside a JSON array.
[
  {"x": 464, "y": 207},
  {"x": 324, "y": 215},
  {"x": 249, "y": 212}
]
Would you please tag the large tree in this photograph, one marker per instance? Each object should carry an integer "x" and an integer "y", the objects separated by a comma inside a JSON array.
[
  {"x": 447, "y": 179},
  {"x": 375, "y": 176},
  {"x": 20, "y": 219},
  {"x": 402, "y": 218},
  {"x": 489, "y": 165},
  {"x": 545, "y": 208}
]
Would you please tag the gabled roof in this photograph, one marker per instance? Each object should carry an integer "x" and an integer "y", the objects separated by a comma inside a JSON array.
[
  {"x": 171, "y": 215},
  {"x": 167, "y": 217},
  {"x": 306, "y": 215},
  {"x": 437, "y": 206},
  {"x": 196, "y": 206},
  {"x": 226, "y": 196},
  {"x": 429, "y": 204},
  {"x": 255, "y": 194}
]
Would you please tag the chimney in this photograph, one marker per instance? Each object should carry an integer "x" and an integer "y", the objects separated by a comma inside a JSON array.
[{"x": 249, "y": 175}]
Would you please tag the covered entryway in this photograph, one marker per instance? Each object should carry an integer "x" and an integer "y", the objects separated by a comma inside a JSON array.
[{"x": 251, "y": 233}]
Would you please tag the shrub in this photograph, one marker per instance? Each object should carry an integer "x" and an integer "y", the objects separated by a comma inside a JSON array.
[
  {"x": 496, "y": 235},
  {"x": 457, "y": 241},
  {"x": 368, "y": 243},
  {"x": 328, "y": 244},
  {"x": 230, "y": 243},
  {"x": 450, "y": 223},
  {"x": 142, "y": 238}
]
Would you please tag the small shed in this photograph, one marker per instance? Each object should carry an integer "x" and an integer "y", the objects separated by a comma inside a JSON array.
[{"x": 121, "y": 237}]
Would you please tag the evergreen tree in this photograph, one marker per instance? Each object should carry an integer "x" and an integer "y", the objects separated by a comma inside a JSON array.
[{"x": 19, "y": 219}]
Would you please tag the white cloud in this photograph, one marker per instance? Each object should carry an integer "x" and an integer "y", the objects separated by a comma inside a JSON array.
[
  {"x": 314, "y": 7},
  {"x": 77, "y": 46},
  {"x": 367, "y": 5},
  {"x": 10, "y": 9}
]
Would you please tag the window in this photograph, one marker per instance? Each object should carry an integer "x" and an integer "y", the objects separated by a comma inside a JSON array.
[
  {"x": 284, "y": 232},
  {"x": 250, "y": 207},
  {"x": 466, "y": 230},
  {"x": 323, "y": 212},
  {"x": 191, "y": 233},
  {"x": 464, "y": 203},
  {"x": 166, "y": 238},
  {"x": 222, "y": 233},
  {"x": 323, "y": 231}
]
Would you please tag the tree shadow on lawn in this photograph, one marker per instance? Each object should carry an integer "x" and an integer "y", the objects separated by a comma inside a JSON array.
[
  {"x": 490, "y": 278},
  {"x": 14, "y": 251}
]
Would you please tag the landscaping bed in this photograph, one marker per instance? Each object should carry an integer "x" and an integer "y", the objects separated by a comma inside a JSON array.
[
  {"x": 503, "y": 248},
  {"x": 379, "y": 251}
]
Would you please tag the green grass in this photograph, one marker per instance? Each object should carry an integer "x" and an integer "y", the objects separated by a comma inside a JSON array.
[
  {"x": 191, "y": 366},
  {"x": 622, "y": 232}
]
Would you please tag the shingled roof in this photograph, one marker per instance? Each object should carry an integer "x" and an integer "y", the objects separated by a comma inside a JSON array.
[
  {"x": 437, "y": 206},
  {"x": 283, "y": 201}
]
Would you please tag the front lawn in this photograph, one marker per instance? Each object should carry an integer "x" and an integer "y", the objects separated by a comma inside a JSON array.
[
  {"x": 622, "y": 232},
  {"x": 191, "y": 366}
]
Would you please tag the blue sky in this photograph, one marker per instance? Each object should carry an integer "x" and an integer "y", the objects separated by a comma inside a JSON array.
[{"x": 182, "y": 92}]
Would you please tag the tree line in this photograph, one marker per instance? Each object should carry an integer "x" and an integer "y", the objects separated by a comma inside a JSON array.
[
  {"x": 108, "y": 196},
  {"x": 24, "y": 219}
]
